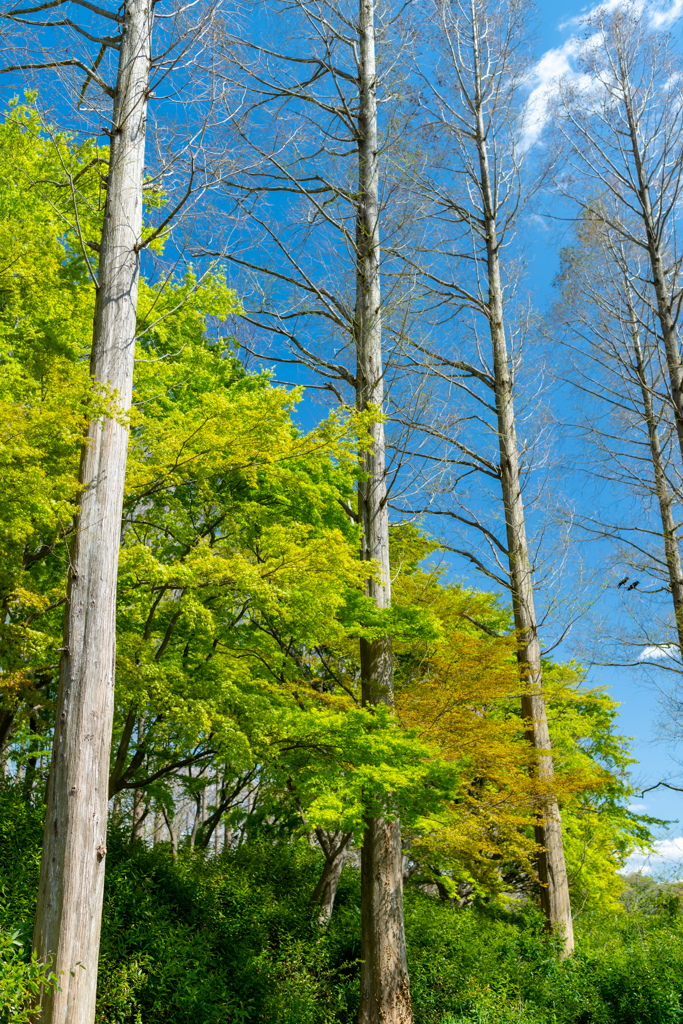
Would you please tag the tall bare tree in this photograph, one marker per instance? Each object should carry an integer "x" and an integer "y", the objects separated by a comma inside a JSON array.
[
  {"x": 312, "y": 198},
  {"x": 628, "y": 422},
  {"x": 621, "y": 127},
  {"x": 109, "y": 48},
  {"x": 474, "y": 187}
]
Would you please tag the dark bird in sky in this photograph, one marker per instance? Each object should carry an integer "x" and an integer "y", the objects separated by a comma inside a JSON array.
[
  {"x": 633, "y": 585},
  {"x": 625, "y": 580}
]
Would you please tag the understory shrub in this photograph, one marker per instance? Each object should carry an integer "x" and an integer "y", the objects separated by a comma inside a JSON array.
[{"x": 233, "y": 940}]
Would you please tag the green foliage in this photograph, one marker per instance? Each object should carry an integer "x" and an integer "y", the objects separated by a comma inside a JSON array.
[
  {"x": 21, "y": 832},
  {"x": 599, "y": 830},
  {"x": 234, "y": 939}
]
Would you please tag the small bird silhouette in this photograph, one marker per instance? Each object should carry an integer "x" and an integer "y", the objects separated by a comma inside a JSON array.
[
  {"x": 625, "y": 580},
  {"x": 633, "y": 585}
]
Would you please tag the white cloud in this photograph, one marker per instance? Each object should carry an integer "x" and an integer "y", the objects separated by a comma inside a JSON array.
[
  {"x": 553, "y": 65},
  {"x": 637, "y": 808},
  {"x": 659, "y": 651},
  {"x": 665, "y": 18},
  {"x": 559, "y": 62},
  {"x": 668, "y": 854}
]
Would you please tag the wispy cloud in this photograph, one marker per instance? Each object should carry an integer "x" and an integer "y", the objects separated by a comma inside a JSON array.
[
  {"x": 553, "y": 65},
  {"x": 560, "y": 62},
  {"x": 664, "y": 16},
  {"x": 667, "y": 856}
]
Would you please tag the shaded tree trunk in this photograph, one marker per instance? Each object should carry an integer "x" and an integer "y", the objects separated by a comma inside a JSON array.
[
  {"x": 31, "y": 763},
  {"x": 385, "y": 991},
  {"x": 158, "y": 820},
  {"x": 140, "y": 812},
  {"x": 335, "y": 848},
  {"x": 69, "y": 911},
  {"x": 172, "y": 834}
]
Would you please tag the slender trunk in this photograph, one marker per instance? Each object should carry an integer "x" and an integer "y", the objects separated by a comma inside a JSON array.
[
  {"x": 654, "y": 248},
  {"x": 197, "y": 819},
  {"x": 172, "y": 834},
  {"x": 671, "y": 549},
  {"x": 335, "y": 848},
  {"x": 69, "y": 912},
  {"x": 6, "y": 723},
  {"x": 552, "y": 871},
  {"x": 122, "y": 752},
  {"x": 385, "y": 991},
  {"x": 140, "y": 812},
  {"x": 31, "y": 763}
]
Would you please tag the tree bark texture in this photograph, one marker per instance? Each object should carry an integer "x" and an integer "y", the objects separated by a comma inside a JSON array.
[
  {"x": 385, "y": 990},
  {"x": 68, "y": 916},
  {"x": 551, "y": 867}
]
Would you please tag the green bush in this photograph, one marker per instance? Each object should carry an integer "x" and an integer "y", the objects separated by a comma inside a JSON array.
[
  {"x": 233, "y": 940},
  {"x": 21, "y": 833}
]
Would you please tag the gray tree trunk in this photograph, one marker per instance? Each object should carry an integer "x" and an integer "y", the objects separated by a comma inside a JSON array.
[
  {"x": 654, "y": 248},
  {"x": 335, "y": 848},
  {"x": 68, "y": 916},
  {"x": 385, "y": 991},
  {"x": 172, "y": 834},
  {"x": 664, "y": 497},
  {"x": 552, "y": 871}
]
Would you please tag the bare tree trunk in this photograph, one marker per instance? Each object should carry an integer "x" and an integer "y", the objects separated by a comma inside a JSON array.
[
  {"x": 335, "y": 848},
  {"x": 385, "y": 990},
  {"x": 68, "y": 916},
  {"x": 654, "y": 248},
  {"x": 664, "y": 498},
  {"x": 552, "y": 871}
]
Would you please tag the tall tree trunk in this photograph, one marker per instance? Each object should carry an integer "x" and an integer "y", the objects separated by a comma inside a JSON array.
[
  {"x": 385, "y": 990},
  {"x": 654, "y": 248},
  {"x": 552, "y": 871},
  {"x": 69, "y": 912},
  {"x": 335, "y": 848},
  {"x": 671, "y": 548}
]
